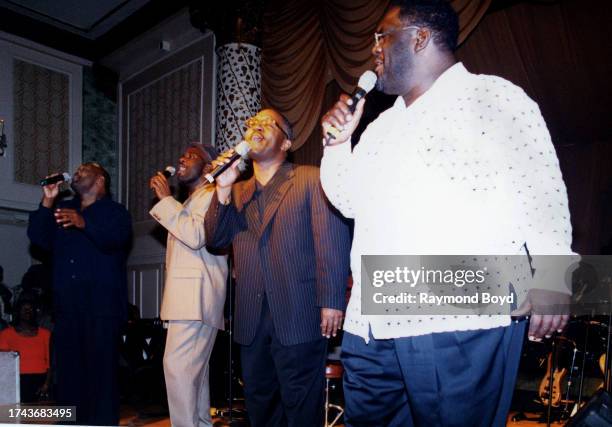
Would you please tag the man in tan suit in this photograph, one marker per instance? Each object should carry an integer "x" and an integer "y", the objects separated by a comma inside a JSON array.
[{"x": 194, "y": 291}]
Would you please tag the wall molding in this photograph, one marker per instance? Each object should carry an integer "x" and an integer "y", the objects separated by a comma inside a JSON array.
[{"x": 20, "y": 41}]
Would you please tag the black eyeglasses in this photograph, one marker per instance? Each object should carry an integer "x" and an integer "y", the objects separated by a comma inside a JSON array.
[{"x": 378, "y": 37}]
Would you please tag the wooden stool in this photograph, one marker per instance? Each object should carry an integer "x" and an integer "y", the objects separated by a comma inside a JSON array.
[{"x": 333, "y": 371}]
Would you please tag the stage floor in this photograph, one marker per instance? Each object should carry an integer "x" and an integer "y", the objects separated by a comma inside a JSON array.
[{"x": 130, "y": 418}]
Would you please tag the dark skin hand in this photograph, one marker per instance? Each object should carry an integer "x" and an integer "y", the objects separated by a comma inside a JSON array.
[
  {"x": 64, "y": 217},
  {"x": 538, "y": 302},
  {"x": 50, "y": 192},
  {"x": 331, "y": 321},
  {"x": 341, "y": 118},
  {"x": 159, "y": 184},
  {"x": 69, "y": 218}
]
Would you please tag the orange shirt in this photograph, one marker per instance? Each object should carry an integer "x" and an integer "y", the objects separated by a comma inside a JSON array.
[{"x": 33, "y": 351}]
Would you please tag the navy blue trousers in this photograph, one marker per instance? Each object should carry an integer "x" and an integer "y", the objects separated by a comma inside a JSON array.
[
  {"x": 87, "y": 359},
  {"x": 443, "y": 379},
  {"x": 283, "y": 385}
]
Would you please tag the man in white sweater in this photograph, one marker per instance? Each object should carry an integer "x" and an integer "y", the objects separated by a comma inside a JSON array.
[
  {"x": 194, "y": 290},
  {"x": 460, "y": 164}
]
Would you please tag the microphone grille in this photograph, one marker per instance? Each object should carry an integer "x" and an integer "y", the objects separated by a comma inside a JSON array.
[
  {"x": 67, "y": 177},
  {"x": 367, "y": 81},
  {"x": 171, "y": 170},
  {"x": 242, "y": 148}
]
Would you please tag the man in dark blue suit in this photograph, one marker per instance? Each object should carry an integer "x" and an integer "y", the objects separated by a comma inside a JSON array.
[
  {"x": 88, "y": 238},
  {"x": 291, "y": 262}
]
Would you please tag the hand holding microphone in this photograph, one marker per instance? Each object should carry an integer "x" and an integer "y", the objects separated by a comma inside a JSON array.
[
  {"x": 55, "y": 178},
  {"x": 227, "y": 170},
  {"x": 340, "y": 122},
  {"x": 159, "y": 182},
  {"x": 50, "y": 185},
  {"x": 228, "y": 160}
]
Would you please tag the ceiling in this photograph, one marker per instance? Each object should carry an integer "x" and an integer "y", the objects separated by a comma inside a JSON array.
[
  {"x": 87, "y": 18},
  {"x": 90, "y": 29}
]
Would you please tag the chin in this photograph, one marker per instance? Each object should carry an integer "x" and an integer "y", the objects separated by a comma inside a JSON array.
[
  {"x": 388, "y": 88},
  {"x": 183, "y": 178},
  {"x": 254, "y": 154},
  {"x": 382, "y": 85}
]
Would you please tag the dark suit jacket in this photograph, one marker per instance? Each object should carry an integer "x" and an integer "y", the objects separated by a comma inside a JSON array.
[{"x": 297, "y": 254}]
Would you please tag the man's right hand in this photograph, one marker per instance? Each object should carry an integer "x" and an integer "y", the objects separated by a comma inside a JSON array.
[
  {"x": 159, "y": 184},
  {"x": 225, "y": 181},
  {"x": 341, "y": 118},
  {"x": 50, "y": 192}
]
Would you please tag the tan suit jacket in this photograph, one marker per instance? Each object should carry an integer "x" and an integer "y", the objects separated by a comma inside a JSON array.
[{"x": 195, "y": 283}]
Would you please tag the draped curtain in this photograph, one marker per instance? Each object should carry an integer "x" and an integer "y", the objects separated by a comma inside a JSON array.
[
  {"x": 554, "y": 50},
  {"x": 306, "y": 45}
]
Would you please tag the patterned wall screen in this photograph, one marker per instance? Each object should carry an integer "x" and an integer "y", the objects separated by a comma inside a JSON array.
[
  {"x": 163, "y": 118},
  {"x": 41, "y": 114},
  {"x": 238, "y": 91}
]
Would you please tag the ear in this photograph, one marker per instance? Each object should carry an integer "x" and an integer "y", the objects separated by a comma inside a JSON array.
[
  {"x": 100, "y": 182},
  {"x": 423, "y": 37},
  {"x": 286, "y": 145}
]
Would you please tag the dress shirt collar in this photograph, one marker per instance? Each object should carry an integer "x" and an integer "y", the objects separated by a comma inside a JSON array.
[{"x": 284, "y": 172}]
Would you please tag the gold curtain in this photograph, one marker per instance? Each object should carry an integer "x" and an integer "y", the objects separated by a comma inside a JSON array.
[{"x": 307, "y": 44}]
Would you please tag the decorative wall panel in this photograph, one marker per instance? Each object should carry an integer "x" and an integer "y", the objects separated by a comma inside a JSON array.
[
  {"x": 164, "y": 117},
  {"x": 42, "y": 121}
]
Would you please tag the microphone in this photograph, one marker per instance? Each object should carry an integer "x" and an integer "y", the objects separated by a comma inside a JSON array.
[
  {"x": 169, "y": 171},
  {"x": 240, "y": 152},
  {"x": 366, "y": 83},
  {"x": 60, "y": 177}
]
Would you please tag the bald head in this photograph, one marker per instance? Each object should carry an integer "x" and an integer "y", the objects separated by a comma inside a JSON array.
[{"x": 91, "y": 177}]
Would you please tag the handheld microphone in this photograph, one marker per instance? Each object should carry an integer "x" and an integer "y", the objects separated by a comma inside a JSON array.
[
  {"x": 366, "y": 83},
  {"x": 169, "y": 171},
  {"x": 60, "y": 177},
  {"x": 240, "y": 152}
]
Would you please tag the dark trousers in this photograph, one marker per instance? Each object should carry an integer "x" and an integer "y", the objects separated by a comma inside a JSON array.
[
  {"x": 444, "y": 379},
  {"x": 283, "y": 385},
  {"x": 87, "y": 355}
]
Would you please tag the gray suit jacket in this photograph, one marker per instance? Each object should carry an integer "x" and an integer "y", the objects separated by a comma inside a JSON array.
[{"x": 297, "y": 253}]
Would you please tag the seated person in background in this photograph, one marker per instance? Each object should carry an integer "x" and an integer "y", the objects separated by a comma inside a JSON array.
[
  {"x": 32, "y": 344},
  {"x": 5, "y": 299}
]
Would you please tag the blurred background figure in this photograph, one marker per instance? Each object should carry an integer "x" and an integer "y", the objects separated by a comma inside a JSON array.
[
  {"x": 5, "y": 301},
  {"x": 31, "y": 341}
]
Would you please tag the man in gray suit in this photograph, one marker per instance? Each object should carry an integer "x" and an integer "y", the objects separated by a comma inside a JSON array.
[
  {"x": 291, "y": 262},
  {"x": 194, "y": 290}
]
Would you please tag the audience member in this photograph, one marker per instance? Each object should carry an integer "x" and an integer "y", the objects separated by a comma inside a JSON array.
[{"x": 32, "y": 343}]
